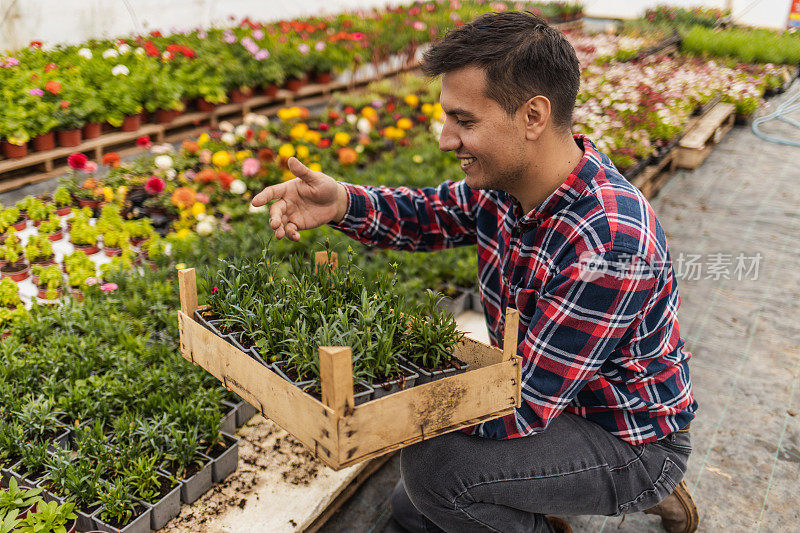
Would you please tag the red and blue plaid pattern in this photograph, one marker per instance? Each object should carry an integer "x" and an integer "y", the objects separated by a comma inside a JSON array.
[{"x": 590, "y": 273}]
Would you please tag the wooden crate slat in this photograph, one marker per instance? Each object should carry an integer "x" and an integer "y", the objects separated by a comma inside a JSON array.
[{"x": 697, "y": 137}]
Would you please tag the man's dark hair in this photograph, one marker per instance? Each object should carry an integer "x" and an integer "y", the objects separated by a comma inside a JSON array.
[{"x": 522, "y": 56}]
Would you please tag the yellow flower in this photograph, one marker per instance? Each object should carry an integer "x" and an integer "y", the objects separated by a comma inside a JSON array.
[
  {"x": 417, "y": 159},
  {"x": 298, "y": 131},
  {"x": 393, "y": 133},
  {"x": 221, "y": 158},
  {"x": 198, "y": 209},
  {"x": 241, "y": 155},
  {"x": 312, "y": 137},
  {"x": 286, "y": 151},
  {"x": 438, "y": 112},
  {"x": 203, "y": 139},
  {"x": 287, "y": 175},
  {"x": 370, "y": 114},
  {"x": 341, "y": 138},
  {"x": 412, "y": 100},
  {"x": 181, "y": 266},
  {"x": 122, "y": 192},
  {"x": 285, "y": 114},
  {"x": 108, "y": 194},
  {"x": 405, "y": 123},
  {"x": 182, "y": 234},
  {"x": 427, "y": 109},
  {"x": 302, "y": 152},
  {"x": 315, "y": 166}
]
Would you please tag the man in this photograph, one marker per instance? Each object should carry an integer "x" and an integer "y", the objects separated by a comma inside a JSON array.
[{"x": 563, "y": 238}]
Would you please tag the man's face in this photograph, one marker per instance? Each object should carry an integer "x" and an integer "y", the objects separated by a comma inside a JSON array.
[{"x": 488, "y": 142}]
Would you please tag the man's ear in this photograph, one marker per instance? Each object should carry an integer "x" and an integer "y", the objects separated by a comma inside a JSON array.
[{"x": 537, "y": 116}]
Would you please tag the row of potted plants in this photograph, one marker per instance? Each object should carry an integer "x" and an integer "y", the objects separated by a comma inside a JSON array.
[{"x": 72, "y": 90}]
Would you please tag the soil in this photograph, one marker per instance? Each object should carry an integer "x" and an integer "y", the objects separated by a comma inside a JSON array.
[
  {"x": 264, "y": 448},
  {"x": 120, "y": 525}
]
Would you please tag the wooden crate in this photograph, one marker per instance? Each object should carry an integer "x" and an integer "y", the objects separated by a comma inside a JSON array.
[
  {"x": 700, "y": 139},
  {"x": 653, "y": 177},
  {"x": 339, "y": 433}
]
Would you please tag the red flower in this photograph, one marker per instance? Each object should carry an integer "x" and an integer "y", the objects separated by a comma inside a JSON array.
[
  {"x": 324, "y": 143},
  {"x": 225, "y": 179},
  {"x": 64, "y": 104},
  {"x": 50, "y": 66},
  {"x": 390, "y": 106},
  {"x": 349, "y": 110},
  {"x": 111, "y": 159},
  {"x": 35, "y": 44},
  {"x": 155, "y": 33},
  {"x": 53, "y": 87},
  {"x": 143, "y": 141},
  {"x": 77, "y": 161},
  {"x": 154, "y": 185},
  {"x": 324, "y": 127},
  {"x": 151, "y": 49}
]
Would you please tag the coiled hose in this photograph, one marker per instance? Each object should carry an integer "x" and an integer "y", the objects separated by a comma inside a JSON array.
[{"x": 789, "y": 105}]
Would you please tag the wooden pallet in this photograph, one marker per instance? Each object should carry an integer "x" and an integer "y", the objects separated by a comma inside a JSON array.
[
  {"x": 703, "y": 134},
  {"x": 41, "y": 166},
  {"x": 653, "y": 177}
]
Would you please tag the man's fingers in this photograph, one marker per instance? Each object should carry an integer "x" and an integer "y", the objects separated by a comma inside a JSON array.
[
  {"x": 276, "y": 214},
  {"x": 269, "y": 194},
  {"x": 291, "y": 231}
]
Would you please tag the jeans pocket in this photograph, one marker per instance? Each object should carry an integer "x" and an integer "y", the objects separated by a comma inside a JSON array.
[{"x": 671, "y": 475}]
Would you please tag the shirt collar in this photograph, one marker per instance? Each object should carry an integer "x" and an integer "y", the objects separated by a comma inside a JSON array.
[{"x": 578, "y": 180}]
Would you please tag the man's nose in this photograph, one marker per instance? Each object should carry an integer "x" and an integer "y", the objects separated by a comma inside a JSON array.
[{"x": 448, "y": 140}]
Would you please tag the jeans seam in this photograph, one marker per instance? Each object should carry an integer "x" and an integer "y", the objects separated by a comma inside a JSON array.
[
  {"x": 464, "y": 510},
  {"x": 638, "y": 457},
  {"x": 669, "y": 464}
]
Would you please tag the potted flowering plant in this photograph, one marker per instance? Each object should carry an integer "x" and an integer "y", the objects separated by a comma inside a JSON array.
[
  {"x": 139, "y": 230},
  {"x": 84, "y": 238},
  {"x": 120, "y": 511},
  {"x": 153, "y": 487},
  {"x": 49, "y": 516},
  {"x": 39, "y": 211},
  {"x": 39, "y": 250},
  {"x": 14, "y": 265},
  {"x": 114, "y": 241},
  {"x": 63, "y": 200},
  {"x": 51, "y": 228},
  {"x": 24, "y": 500},
  {"x": 9, "y": 294},
  {"x": 11, "y": 217},
  {"x": 164, "y": 96},
  {"x": 49, "y": 281}
]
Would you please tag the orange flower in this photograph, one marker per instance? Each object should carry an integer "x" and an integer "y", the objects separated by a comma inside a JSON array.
[
  {"x": 183, "y": 197},
  {"x": 207, "y": 175},
  {"x": 90, "y": 183},
  {"x": 53, "y": 87},
  {"x": 262, "y": 136},
  {"x": 266, "y": 155},
  {"x": 111, "y": 159},
  {"x": 191, "y": 147},
  {"x": 98, "y": 191},
  {"x": 225, "y": 179},
  {"x": 347, "y": 156}
]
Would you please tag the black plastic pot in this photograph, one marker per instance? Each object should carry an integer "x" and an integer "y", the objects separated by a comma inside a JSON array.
[
  {"x": 475, "y": 301},
  {"x": 196, "y": 485},
  {"x": 455, "y": 306},
  {"x": 202, "y": 320},
  {"x": 140, "y": 524},
  {"x": 426, "y": 376},
  {"x": 229, "y": 417},
  {"x": 214, "y": 325},
  {"x": 238, "y": 340},
  {"x": 279, "y": 368},
  {"x": 226, "y": 462},
  {"x": 245, "y": 413},
  {"x": 408, "y": 380}
]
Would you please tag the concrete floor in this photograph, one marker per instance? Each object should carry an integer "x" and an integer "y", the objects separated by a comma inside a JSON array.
[{"x": 741, "y": 328}]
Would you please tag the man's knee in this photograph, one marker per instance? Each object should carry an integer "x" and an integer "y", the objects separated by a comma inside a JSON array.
[{"x": 425, "y": 471}]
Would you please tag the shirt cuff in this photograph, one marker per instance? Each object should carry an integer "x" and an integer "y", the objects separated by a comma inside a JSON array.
[{"x": 356, "y": 217}]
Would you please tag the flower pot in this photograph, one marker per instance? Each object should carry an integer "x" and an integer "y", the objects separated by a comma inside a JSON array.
[
  {"x": 139, "y": 524},
  {"x": 14, "y": 151},
  {"x": 271, "y": 90},
  {"x": 112, "y": 252},
  {"x": 241, "y": 341},
  {"x": 455, "y": 306},
  {"x": 85, "y": 522},
  {"x": 294, "y": 84},
  {"x": 217, "y": 326},
  {"x": 21, "y": 224},
  {"x": 323, "y": 77},
  {"x": 168, "y": 507},
  {"x": 475, "y": 299},
  {"x": 88, "y": 249},
  {"x": 245, "y": 413},
  {"x": 280, "y": 369},
  {"x": 228, "y": 424},
  {"x": 57, "y": 236},
  {"x": 77, "y": 295},
  {"x": 69, "y": 138},
  {"x": 241, "y": 95},
  {"x": 205, "y": 106},
  {"x": 63, "y": 210},
  {"x": 204, "y": 315},
  {"x": 198, "y": 483},
  {"x": 44, "y": 142},
  {"x": 44, "y": 262},
  {"x": 92, "y": 203},
  {"x": 226, "y": 461},
  {"x": 407, "y": 379},
  {"x": 426, "y": 376},
  {"x": 42, "y": 293},
  {"x": 92, "y": 130},
  {"x": 131, "y": 123},
  {"x": 18, "y": 271},
  {"x": 164, "y": 116}
]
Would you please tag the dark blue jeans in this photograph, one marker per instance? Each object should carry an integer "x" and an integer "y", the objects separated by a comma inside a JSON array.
[{"x": 463, "y": 483}]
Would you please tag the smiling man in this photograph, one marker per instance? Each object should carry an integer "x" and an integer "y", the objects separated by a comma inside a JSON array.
[{"x": 563, "y": 238}]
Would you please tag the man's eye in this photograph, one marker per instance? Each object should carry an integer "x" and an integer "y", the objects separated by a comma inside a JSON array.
[{"x": 463, "y": 123}]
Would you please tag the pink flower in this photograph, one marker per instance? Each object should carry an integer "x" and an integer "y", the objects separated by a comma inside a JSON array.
[
  {"x": 77, "y": 161},
  {"x": 36, "y": 92},
  {"x": 229, "y": 37},
  {"x": 205, "y": 156},
  {"x": 91, "y": 281},
  {"x": 109, "y": 287},
  {"x": 90, "y": 167},
  {"x": 419, "y": 25},
  {"x": 202, "y": 34},
  {"x": 319, "y": 46},
  {"x": 202, "y": 198},
  {"x": 261, "y": 55},
  {"x": 258, "y": 34},
  {"x": 154, "y": 185},
  {"x": 214, "y": 290},
  {"x": 250, "y": 166},
  {"x": 303, "y": 48}
]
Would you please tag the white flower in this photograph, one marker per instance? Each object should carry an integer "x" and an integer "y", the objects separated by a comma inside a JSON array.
[
  {"x": 436, "y": 129},
  {"x": 120, "y": 70},
  {"x": 165, "y": 148},
  {"x": 170, "y": 173},
  {"x": 85, "y": 53},
  {"x": 124, "y": 48},
  {"x": 163, "y": 162},
  {"x": 363, "y": 125},
  {"x": 166, "y": 56},
  {"x": 250, "y": 118},
  {"x": 108, "y": 54},
  {"x": 360, "y": 148},
  {"x": 238, "y": 187},
  {"x": 260, "y": 209},
  {"x": 225, "y": 126},
  {"x": 351, "y": 119},
  {"x": 228, "y": 138},
  {"x": 240, "y": 130},
  {"x": 139, "y": 51},
  {"x": 205, "y": 227}
]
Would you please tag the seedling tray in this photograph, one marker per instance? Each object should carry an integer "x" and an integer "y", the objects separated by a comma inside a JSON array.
[{"x": 334, "y": 429}]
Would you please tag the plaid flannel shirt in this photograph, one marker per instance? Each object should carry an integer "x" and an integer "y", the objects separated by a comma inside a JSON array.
[{"x": 589, "y": 271}]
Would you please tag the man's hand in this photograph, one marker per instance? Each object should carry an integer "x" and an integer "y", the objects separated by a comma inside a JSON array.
[{"x": 306, "y": 202}]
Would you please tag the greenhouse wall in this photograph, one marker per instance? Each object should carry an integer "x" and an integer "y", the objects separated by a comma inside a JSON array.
[{"x": 78, "y": 20}]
